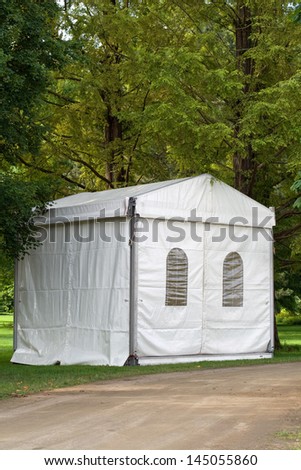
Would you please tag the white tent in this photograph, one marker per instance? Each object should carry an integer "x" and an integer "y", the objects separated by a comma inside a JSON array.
[{"x": 175, "y": 271}]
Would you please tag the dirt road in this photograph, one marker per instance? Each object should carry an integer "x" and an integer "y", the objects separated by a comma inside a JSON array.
[{"x": 237, "y": 408}]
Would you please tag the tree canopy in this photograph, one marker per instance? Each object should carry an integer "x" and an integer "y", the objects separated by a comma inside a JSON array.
[
  {"x": 156, "y": 89},
  {"x": 30, "y": 49}
]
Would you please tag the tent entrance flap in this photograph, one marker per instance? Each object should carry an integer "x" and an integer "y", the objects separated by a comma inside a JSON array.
[{"x": 170, "y": 289}]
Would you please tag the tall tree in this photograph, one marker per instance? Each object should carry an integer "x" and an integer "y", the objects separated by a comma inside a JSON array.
[
  {"x": 30, "y": 49},
  {"x": 230, "y": 98},
  {"x": 236, "y": 74},
  {"x": 99, "y": 101},
  {"x": 167, "y": 87}
]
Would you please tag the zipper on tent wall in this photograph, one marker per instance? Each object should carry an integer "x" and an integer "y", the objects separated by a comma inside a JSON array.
[{"x": 133, "y": 358}]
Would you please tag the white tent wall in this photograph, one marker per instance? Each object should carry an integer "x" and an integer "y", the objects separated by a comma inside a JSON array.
[
  {"x": 245, "y": 329},
  {"x": 168, "y": 330},
  {"x": 204, "y": 326},
  {"x": 73, "y": 296}
]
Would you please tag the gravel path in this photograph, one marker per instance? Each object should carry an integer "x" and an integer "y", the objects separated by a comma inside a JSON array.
[{"x": 236, "y": 408}]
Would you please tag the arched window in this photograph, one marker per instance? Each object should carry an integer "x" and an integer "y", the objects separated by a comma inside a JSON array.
[
  {"x": 176, "y": 277},
  {"x": 233, "y": 280}
]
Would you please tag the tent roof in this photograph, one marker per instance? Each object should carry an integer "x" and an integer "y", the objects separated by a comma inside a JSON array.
[
  {"x": 196, "y": 197},
  {"x": 113, "y": 194}
]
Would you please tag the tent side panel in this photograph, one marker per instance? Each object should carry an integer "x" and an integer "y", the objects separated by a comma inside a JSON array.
[
  {"x": 73, "y": 296},
  {"x": 234, "y": 327},
  {"x": 167, "y": 328},
  {"x": 42, "y": 301}
]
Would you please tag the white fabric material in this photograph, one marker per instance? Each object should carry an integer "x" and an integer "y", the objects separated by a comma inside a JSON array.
[
  {"x": 204, "y": 326},
  {"x": 243, "y": 329},
  {"x": 153, "y": 360},
  {"x": 73, "y": 291},
  {"x": 168, "y": 330},
  {"x": 73, "y": 300},
  {"x": 207, "y": 196}
]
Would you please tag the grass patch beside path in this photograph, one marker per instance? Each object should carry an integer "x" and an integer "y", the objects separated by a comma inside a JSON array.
[
  {"x": 19, "y": 380},
  {"x": 293, "y": 438}
]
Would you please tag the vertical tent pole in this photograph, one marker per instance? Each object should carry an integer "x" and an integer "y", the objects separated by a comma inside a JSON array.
[
  {"x": 272, "y": 348},
  {"x": 16, "y": 305},
  {"x": 133, "y": 359}
]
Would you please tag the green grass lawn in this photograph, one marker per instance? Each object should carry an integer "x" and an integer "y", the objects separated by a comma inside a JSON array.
[
  {"x": 6, "y": 333},
  {"x": 290, "y": 335},
  {"x": 19, "y": 380}
]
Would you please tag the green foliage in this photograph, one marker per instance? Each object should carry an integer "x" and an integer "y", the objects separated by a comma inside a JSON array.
[
  {"x": 6, "y": 285},
  {"x": 7, "y": 298},
  {"x": 17, "y": 200},
  {"x": 169, "y": 74},
  {"x": 288, "y": 293},
  {"x": 288, "y": 317},
  {"x": 297, "y": 188},
  {"x": 288, "y": 321},
  {"x": 98, "y": 105},
  {"x": 29, "y": 49}
]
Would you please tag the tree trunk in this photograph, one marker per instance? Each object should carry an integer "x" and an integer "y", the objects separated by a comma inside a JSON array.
[
  {"x": 244, "y": 170},
  {"x": 243, "y": 163},
  {"x": 115, "y": 172},
  {"x": 277, "y": 343}
]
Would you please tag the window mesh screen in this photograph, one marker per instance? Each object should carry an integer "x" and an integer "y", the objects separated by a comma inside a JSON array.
[
  {"x": 233, "y": 281},
  {"x": 176, "y": 277}
]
